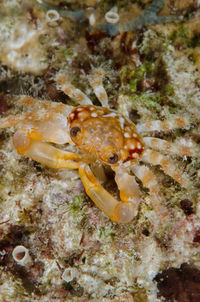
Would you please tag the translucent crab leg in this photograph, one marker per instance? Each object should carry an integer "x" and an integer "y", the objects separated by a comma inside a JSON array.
[
  {"x": 42, "y": 111},
  {"x": 44, "y": 153},
  {"x": 39, "y": 130},
  {"x": 117, "y": 211},
  {"x": 96, "y": 82},
  {"x": 155, "y": 158},
  {"x": 166, "y": 125},
  {"x": 29, "y": 102},
  {"x": 72, "y": 91},
  {"x": 183, "y": 149},
  {"x": 46, "y": 131},
  {"x": 149, "y": 181},
  {"x": 129, "y": 189},
  {"x": 11, "y": 121}
]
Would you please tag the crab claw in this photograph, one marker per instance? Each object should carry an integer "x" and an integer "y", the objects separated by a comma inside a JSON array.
[
  {"x": 115, "y": 210},
  {"x": 124, "y": 212}
]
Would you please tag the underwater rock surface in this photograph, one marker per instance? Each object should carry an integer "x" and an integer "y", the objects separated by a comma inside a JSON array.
[{"x": 150, "y": 59}]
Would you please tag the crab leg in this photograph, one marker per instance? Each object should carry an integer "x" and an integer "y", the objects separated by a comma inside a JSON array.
[
  {"x": 149, "y": 181},
  {"x": 157, "y": 125},
  {"x": 34, "y": 104},
  {"x": 155, "y": 158},
  {"x": 96, "y": 82},
  {"x": 117, "y": 211},
  {"x": 38, "y": 130},
  {"x": 11, "y": 121},
  {"x": 43, "y": 111},
  {"x": 163, "y": 145},
  {"x": 44, "y": 153},
  {"x": 72, "y": 91}
]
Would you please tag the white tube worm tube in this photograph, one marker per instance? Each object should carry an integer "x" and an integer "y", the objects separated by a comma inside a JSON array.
[{"x": 21, "y": 256}]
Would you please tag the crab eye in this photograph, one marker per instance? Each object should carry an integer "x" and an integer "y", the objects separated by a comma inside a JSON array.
[
  {"x": 113, "y": 159},
  {"x": 74, "y": 131}
]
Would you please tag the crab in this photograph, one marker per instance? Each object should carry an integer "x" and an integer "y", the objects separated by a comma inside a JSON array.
[{"x": 101, "y": 135}]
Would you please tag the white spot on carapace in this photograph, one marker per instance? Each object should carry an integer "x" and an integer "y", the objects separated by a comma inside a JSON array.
[
  {"x": 139, "y": 146},
  {"x": 100, "y": 111},
  {"x": 125, "y": 147},
  {"x": 91, "y": 108},
  {"x": 112, "y": 114},
  {"x": 134, "y": 134},
  {"x": 126, "y": 134},
  {"x": 132, "y": 146},
  {"x": 79, "y": 109},
  {"x": 93, "y": 114},
  {"x": 71, "y": 116},
  {"x": 134, "y": 155}
]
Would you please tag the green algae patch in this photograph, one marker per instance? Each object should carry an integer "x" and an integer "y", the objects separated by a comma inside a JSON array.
[
  {"x": 149, "y": 101},
  {"x": 77, "y": 203},
  {"x": 67, "y": 52},
  {"x": 106, "y": 232}
]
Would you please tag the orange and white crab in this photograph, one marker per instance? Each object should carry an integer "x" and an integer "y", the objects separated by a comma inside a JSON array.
[{"x": 102, "y": 135}]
